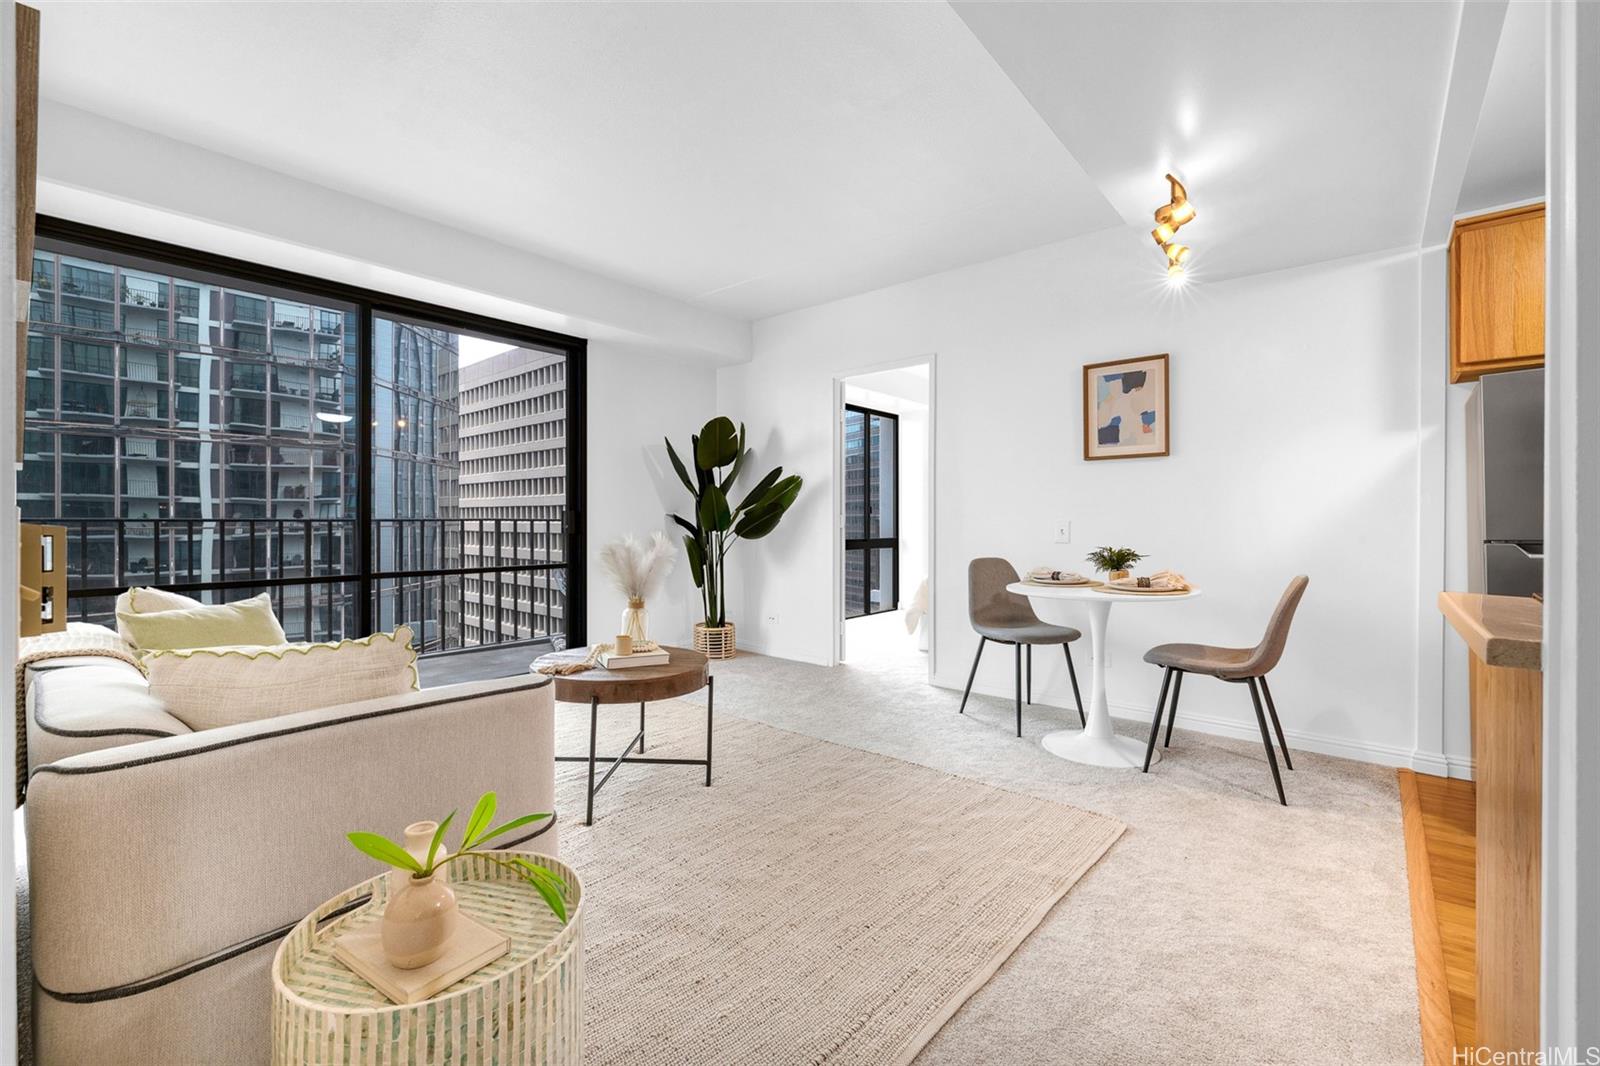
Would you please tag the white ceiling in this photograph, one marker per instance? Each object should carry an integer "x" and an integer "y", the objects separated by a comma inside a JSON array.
[
  {"x": 755, "y": 158},
  {"x": 1507, "y": 161},
  {"x": 1304, "y": 131},
  {"x": 747, "y": 158}
]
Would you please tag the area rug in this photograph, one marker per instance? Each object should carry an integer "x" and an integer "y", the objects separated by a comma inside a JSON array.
[{"x": 817, "y": 904}]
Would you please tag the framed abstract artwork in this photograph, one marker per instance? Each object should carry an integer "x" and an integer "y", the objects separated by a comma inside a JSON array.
[{"x": 1127, "y": 410}]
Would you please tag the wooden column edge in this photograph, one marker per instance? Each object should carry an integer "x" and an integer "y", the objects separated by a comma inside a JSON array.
[{"x": 1433, "y": 993}]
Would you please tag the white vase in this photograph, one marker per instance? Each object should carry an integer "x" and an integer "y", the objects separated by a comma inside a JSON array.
[
  {"x": 635, "y": 622},
  {"x": 418, "y": 838},
  {"x": 418, "y": 923}
]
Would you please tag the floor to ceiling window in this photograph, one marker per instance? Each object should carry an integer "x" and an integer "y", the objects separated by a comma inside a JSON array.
[
  {"x": 871, "y": 512},
  {"x": 225, "y": 430}
]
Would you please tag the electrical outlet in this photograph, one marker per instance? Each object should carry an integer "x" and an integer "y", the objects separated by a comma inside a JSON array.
[
  {"x": 1064, "y": 533},
  {"x": 772, "y": 619}
]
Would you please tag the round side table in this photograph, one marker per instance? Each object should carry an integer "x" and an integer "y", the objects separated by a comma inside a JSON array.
[
  {"x": 523, "y": 1009},
  {"x": 684, "y": 672}
]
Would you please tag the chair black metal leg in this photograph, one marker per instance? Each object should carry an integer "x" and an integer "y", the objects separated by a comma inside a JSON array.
[
  {"x": 641, "y": 727},
  {"x": 975, "y": 660},
  {"x": 1277, "y": 726},
  {"x": 1155, "y": 725},
  {"x": 1172, "y": 715},
  {"x": 711, "y": 696},
  {"x": 1266, "y": 741},
  {"x": 1072, "y": 672},
  {"x": 1018, "y": 656},
  {"x": 1030, "y": 675},
  {"x": 594, "y": 730}
]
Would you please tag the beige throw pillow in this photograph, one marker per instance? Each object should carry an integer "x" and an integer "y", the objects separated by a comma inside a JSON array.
[
  {"x": 243, "y": 622},
  {"x": 209, "y": 687},
  {"x": 142, "y": 600}
]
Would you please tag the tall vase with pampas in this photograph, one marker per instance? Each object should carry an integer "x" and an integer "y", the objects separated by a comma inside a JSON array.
[{"x": 637, "y": 569}]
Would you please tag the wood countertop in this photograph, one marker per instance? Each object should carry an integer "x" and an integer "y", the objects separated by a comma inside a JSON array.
[{"x": 1500, "y": 630}]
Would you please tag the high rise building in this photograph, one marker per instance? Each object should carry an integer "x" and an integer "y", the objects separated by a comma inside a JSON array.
[
  {"x": 190, "y": 431},
  {"x": 415, "y": 478},
  {"x": 513, "y": 490}
]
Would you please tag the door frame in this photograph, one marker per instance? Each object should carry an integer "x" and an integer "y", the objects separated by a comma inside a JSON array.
[{"x": 931, "y": 361}]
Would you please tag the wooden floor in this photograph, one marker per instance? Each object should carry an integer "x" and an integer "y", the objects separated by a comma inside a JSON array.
[{"x": 1440, "y": 817}]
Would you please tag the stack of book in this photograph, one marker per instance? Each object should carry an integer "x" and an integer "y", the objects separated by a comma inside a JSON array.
[{"x": 610, "y": 660}]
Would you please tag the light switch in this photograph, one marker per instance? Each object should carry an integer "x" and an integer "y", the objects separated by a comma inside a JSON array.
[{"x": 1064, "y": 533}]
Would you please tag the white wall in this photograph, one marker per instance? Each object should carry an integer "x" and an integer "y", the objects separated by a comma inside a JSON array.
[
  {"x": 635, "y": 399},
  {"x": 95, "y": 170},
  {"x": 1295, "y": 449}
]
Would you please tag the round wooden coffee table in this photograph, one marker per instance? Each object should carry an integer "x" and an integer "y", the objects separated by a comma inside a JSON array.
[{"x": 685, "y": 672}]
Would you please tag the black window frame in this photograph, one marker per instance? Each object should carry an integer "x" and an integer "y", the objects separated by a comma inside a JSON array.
[
  {"x": 872, "y": 544},
  {"x": 369, "y": 303}
]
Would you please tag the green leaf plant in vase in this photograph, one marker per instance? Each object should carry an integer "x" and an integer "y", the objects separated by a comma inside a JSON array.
[
  {"x": 716, "y": 523},
  {"x": 1115, "y": 563},
  {"x": 420, "y": 917}
]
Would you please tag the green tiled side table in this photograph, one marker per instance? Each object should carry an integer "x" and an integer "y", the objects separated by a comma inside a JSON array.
[{"x": 523, "y": 1009}]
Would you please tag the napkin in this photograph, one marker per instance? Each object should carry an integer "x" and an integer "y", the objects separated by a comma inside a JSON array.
[
  {"x": 1045, "y": 573},
  {"x": 1161, "y": 581}
]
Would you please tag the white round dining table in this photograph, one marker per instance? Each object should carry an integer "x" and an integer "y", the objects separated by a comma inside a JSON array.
[{"x": 1096, "y": 744}]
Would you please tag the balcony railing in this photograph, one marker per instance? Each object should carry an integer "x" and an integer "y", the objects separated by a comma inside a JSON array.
[{"x": 418, "y": 570}]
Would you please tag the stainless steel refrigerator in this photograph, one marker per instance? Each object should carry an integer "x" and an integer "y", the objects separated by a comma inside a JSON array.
[{"x": 1505, "y": 484}]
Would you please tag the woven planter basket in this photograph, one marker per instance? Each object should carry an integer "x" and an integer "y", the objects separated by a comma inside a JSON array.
[{"x": 715, "y": 642}]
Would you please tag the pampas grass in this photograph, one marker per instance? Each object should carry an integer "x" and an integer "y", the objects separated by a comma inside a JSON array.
[{"x": 636, "y": 568}]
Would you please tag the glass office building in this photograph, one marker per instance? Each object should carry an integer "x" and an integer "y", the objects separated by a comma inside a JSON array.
[
  {"x": 197, "y": 432},
  {"x": 188, "y": 432}
]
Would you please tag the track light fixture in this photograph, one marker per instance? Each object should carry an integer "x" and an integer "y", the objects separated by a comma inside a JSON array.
[{"x": 1170, "y": 217}]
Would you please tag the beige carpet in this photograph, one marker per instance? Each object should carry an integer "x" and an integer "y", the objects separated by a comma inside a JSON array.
[
  {"x": 1222, "y": 928},
  {"x": 818, "y": 904}
]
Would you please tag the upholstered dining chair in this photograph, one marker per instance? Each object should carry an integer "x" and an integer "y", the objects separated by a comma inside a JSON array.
[
  {"x": 1246, "y": 666},
  {"x": 1006, "y": 618}
]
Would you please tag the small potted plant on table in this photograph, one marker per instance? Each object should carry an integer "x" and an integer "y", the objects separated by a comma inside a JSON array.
[{"x": 1115, "y": 563}]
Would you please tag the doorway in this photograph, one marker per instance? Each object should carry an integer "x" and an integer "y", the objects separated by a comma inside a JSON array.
[{"x": 884, "y": 442}]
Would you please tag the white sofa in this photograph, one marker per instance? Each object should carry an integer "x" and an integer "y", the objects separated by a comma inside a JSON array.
[{"x": 165, "y": 865}]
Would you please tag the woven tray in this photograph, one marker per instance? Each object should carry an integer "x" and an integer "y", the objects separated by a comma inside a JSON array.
[{"x": 523, "y": 1009}]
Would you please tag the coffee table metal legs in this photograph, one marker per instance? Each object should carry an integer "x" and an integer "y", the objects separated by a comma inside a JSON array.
[
  {"x": 627, "y": 756},
  {"x": 594, "y": 729}
]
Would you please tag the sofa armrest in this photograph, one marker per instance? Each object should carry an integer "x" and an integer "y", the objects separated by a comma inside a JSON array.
[
  {"x": 150, "y": 857},
  {"x": 81, "y": 705}
]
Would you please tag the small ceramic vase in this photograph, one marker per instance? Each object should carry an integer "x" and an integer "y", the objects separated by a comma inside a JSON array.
[
  {"x": 418, "y": 838},
  {"x": 418, "y": 923}
]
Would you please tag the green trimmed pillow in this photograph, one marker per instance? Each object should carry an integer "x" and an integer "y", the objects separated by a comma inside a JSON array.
[
  {"x": 205, "y": 688},
  {"x": 201, "y": 626},
  {"x": 143, "y": 599}
]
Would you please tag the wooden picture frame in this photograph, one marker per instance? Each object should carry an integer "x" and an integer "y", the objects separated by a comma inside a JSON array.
[{"x": 1144, "y": 403}]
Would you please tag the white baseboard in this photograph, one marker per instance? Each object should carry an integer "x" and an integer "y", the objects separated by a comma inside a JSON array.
[
  {"x": 1435, "y": 763},
  {"x": 1299, "y": 739}
]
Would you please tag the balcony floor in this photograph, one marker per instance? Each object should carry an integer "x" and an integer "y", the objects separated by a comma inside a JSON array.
[{"x": 484, "y": 665}]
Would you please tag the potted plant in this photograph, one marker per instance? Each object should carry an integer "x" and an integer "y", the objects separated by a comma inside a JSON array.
[
  {"x": 717, "y": 524},
  {"x": 420, "y": 919},
  {"x": 1114, "y": 562}
]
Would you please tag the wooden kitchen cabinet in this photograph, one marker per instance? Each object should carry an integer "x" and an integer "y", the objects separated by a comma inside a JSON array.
[{"x": 1497, "y": 293}]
